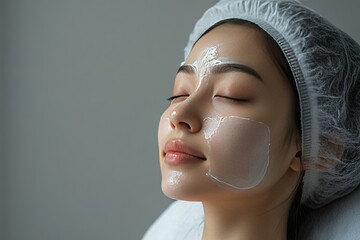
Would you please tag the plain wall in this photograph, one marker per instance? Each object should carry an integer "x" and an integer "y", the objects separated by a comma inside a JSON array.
[
  {"x": 85, "y": 84},
  {"x": 2, "y": 104},
  {"x": 343, "y": 14}
]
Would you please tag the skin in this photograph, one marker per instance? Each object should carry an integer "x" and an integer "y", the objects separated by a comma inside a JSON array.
[{"x": 260, "y": 212}]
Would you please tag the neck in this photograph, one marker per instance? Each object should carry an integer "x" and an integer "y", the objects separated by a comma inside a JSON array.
[{"x": 231, "y": 221}]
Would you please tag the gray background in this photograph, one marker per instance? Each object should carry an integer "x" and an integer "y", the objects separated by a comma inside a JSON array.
[{"x": 82, "y": 86}]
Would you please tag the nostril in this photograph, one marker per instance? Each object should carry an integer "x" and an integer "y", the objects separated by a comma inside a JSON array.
[
  {"x": 184, "y": 120},
  {"x": 180, "y": 125},
  {"x": 185, "y": 125}
]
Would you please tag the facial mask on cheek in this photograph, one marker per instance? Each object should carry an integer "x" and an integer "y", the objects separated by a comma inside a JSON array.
[{"x": 238, "y": 151}]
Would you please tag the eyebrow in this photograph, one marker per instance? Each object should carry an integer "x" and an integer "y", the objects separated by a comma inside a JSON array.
[{"x": 223, "y": 68}]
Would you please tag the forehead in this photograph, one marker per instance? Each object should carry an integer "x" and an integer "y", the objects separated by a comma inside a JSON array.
[{"x": 245, "y": 43}]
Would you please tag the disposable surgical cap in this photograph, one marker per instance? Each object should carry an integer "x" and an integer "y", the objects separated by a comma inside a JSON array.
[{"x": 325, "y": 63}]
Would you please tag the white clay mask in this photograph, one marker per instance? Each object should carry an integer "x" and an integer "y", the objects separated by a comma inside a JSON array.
[{"x": 238, "y": 151}]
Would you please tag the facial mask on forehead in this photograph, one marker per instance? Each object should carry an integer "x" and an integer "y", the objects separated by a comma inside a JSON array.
[
  {"x": 203, "y": 65},
  {"x": 238, "y": 150}
]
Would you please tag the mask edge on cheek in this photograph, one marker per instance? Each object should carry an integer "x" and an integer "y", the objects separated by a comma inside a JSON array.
[{"x": 219, "y": 173}]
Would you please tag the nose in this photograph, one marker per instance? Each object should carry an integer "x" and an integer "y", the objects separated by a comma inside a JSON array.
[{"x": 186, "y": 118}]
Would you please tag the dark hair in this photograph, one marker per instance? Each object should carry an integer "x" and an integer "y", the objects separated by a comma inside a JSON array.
[{"x": 296, "y": 215}]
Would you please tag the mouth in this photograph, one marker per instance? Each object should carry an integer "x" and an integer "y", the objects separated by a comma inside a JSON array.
[{"x": 176, "y": 152}]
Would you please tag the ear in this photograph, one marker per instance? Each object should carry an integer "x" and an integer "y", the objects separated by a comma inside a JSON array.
[
  {"x": 335, "y": 150},
  {"x": 296, "y": 162}
]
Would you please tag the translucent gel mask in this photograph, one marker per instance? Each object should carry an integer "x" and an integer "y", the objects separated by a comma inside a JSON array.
[{"x": 238, "y": 150}]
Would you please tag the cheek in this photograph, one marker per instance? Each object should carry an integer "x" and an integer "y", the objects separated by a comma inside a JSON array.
[
  {"x": 238, "y": 151},
  {"x": 283, "y": 139},
  {"x": 164, "y": 128}
]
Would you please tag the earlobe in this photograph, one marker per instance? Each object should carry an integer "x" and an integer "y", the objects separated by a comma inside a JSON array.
[{"x": 296, "y": 162}]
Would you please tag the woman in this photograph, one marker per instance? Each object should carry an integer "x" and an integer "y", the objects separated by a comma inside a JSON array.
[{"x": 264, "y": 117}]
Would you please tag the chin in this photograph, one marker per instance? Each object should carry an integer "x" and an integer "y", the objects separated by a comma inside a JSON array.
[
  {"x": 181, "y": 193},
  {"x": 184, "y": 186},
  {"x": 176, "y": 185}
]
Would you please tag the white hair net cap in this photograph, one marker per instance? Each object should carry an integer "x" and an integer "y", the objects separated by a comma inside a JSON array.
[{"x": 325, "y": 63}]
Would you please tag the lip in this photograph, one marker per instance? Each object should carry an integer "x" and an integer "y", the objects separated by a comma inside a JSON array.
[{"x": 177, "y": 152}]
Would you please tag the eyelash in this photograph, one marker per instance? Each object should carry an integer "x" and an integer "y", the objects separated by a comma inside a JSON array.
[
  {"x": 176, "y": 96},
  {"x": 233, "y": 99},
  {"x": 230, "y": 98}
]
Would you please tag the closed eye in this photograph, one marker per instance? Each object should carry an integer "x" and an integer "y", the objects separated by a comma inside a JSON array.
[
  {"x": 232, "y": 99},
  {"x": 177, "y": 97}
]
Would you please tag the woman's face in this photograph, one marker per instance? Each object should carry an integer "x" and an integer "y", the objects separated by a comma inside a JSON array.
[{"x": 229, "y": 131}]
